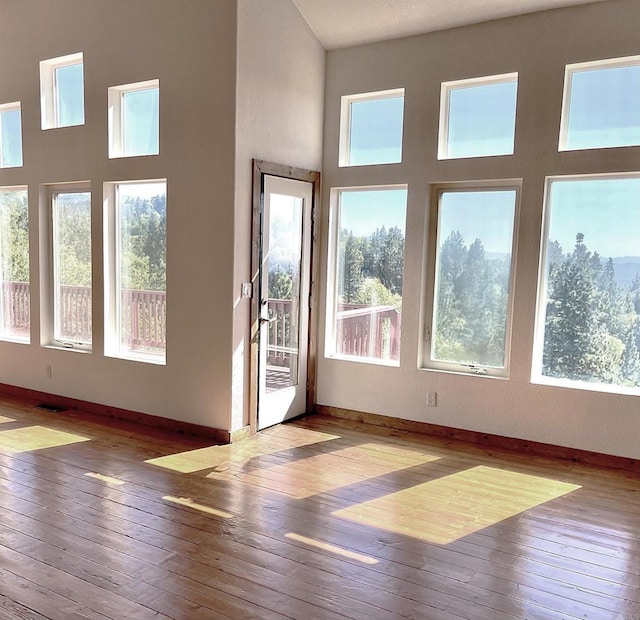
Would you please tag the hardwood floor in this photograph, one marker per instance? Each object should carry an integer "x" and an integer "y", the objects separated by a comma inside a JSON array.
[{"x": 321, "y": 518}]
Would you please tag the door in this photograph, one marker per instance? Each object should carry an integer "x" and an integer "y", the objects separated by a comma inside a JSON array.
[{"x": 284, "y": 289}]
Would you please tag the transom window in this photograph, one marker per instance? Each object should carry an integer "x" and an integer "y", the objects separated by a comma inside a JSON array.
[
  {"x": 472, "y": 266},
  {"x": 601, "y": 106},
  {"x": 134, "y": 119},
  {"x": 10, "y": 135},
  {"x": 588, "y": 331},
  {"x": 371, "y": 128},
  {"x": 478, "y": 117},
  {"x": 62, "y": 91}
]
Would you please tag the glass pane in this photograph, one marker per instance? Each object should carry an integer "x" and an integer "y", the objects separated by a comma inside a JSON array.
[
  {"x": 69, "y": 81},
  {"x": 473, "y": 269},
  {"x": 592, "y": 306},
  {"x": 142, "y": 268},
  {"x": 14, "y": 264},
  {"x": 369, "y": 278},
  {"x": 283, "y": 295},
  {"x": 140, "y": 122},
  {"x": 376, "y": 131},
  {"x": 604, "y": 108},
  {"x": 10, "y": 138},
  {"x": 482, "y": 120},
  {"x": 72, "y": 267}
]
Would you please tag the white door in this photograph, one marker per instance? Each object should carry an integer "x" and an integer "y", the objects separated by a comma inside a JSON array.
[{"x": 284, "y": 299}]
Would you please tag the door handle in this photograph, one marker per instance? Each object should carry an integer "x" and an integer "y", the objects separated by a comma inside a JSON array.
[{"x": 263, "y": 320}]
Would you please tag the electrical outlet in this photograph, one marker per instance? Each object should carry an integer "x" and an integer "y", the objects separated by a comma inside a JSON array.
[
  {"x": 48, "y": 371},
  {"x": 432, "y": 399},
  {"x": 247, "y": 290}
]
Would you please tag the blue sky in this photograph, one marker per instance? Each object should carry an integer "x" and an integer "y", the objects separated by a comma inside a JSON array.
[
  {"x": 11, "y": 136},
  {"x": 141, "y": 122},
  {"x": 363, "y": 212},
  {"x": 70, "y": 89}
]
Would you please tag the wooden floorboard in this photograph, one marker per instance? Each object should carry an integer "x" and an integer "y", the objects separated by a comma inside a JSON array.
[{"x": 322, "y": 518}]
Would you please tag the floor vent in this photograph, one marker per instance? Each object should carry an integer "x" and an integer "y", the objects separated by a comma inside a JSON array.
[{"x": 49, "y": 407}]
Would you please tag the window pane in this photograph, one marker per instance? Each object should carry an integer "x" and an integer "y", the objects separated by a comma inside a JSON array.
[
  {"x": 369, "y": 275},
  {"x": 376, "y": 131},
  {"x": 604, "y": 108},
  {"x": 481, "y": 120},
  {"x": 72, "y": 267},
  {"x": 142, "y": 264},
  {"x": 69, "y": 81},
  {"x": 592, "y": 282},
  {"x": 10, "y": 138},
  {"x": 473, "y": 271},
  {"x": 14, "y": 265},
  {"x": 140, "y": 122}
]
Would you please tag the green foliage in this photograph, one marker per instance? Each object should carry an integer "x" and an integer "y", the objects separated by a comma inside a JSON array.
[
  {"x": 14, "y": 242},
  {"x": 280, "y": 283}
]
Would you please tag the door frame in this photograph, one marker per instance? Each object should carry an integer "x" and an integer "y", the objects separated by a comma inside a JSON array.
[{"x": 261, "y": 169}]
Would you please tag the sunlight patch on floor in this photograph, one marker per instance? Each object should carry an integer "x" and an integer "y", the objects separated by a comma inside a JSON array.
[
  {"x": 31, "y": 438},
  {"x": 222, "y": 458},
  {"x": 103, "y": 478},
  {"x": 447, "y": 509},
  {"x": 189, "y": 503},
  {"x": 4, "y": 419},
  {"x": 334, "y": 469},
  {"x": 318, "y": 544}
]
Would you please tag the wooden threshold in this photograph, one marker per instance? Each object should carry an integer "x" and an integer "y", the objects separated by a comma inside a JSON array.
[{"x": 485, "y": 439}]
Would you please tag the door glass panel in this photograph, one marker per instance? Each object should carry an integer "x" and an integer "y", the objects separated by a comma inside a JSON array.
[{"x": 283, "y": 295}]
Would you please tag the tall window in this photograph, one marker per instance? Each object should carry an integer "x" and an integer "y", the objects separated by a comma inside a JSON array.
[
  {"x": 134, "y": 119},
  {"x": 136, "y": 277},
  {"x": 14, "y": 264},
  {"x": 473, "y": 269},
  {"x": 371, "y": 127},
  {"x": 10, "y": 135},
  {"x": 601, "y": 106},
  {"x": 589, "y": 299},
  {"x": 62, "y": 91},
  {"x": 366, "y": 306},
  {"x": 478, "y": 117},
  {"x": 71, "y": 247}
]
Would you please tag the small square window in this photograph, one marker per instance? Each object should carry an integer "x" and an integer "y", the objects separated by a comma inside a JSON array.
[
  {"x": 134, "y": 119},
  {"x": 478, "y": 117},
  {"x": 62, "y": 91},
  {"x": 371, "y": 128},
  {"x": 601, "y": 105},
  {"x": 10, "y": 136}
]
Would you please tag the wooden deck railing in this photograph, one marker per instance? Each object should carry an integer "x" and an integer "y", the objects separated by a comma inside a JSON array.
[
  {"x": 144, "y": 314},
  {"x": 362, "y": 331}
]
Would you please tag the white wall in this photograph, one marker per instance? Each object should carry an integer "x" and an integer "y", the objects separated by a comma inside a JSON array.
[
  {"x": 189, "y": 45},
  {"x": 537, "y": 47},
  {"x": 280, "y": 93}
]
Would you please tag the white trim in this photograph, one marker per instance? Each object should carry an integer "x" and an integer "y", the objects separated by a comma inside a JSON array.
[
  {"x": 430, "y": 314},
  {"x": 344, "y": 159},
  {"x": 49, "y": 113},
  {"x": 584, "y": 67},
  {"x": 445, "y": 94}
]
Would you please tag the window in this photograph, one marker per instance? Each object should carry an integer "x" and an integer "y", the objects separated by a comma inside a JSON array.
[
  {"x": 473, "y": 239},
  {"x": 10, "y": 136},
  {"x": 368, "y": 258},
  {"x": 136, "y": 261},
  {"x": 71, "y": 267},
  {"x": 601, "y": 106},
  {"x": 62, "y": 91},
  {"x": 478, "y": 117},
  {"x": 588, "y": 332},
  {"x": 14, "y": 264},
  {"x": 371, "y": 128},
  {"x": 134, "y": 119}
]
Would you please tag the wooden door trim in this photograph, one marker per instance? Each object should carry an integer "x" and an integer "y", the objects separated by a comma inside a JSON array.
[{"x": 260, "y": 169}]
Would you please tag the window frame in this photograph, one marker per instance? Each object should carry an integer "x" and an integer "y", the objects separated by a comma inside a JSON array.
[
  {"x": 4, "y": 337},
  {"x": 444, "y": 121},
  {"x": 52, "y": 324},
  {"x": 344, "y": 148},
  {"x": 431, "y": 277},
  {"x": 113, "y": 278},
  {"x": 537, "y": 377},
  {"x": 335, "y": 211},
  {"x": 49, "y": 99},
  {"x": 585, "y": 67},
  {"x": 11, "y": 107},
  {"x": 116, "y": 121}
]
